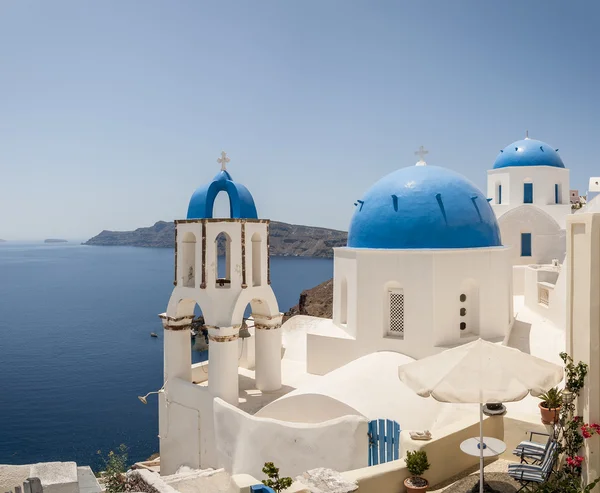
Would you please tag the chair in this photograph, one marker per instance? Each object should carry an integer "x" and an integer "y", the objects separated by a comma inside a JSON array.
[
  {"x": 532, "y": 452},
  {"x": 526, "y": 474}
]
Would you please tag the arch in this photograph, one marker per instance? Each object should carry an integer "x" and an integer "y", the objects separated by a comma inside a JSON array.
[
  {"x": 241, "y": 203},
  {"x": 223, "y": 269},
  {"x": 394, "y": 310},
  {"x": 188, "y": 260},
  {"x": 256, "y": 259},
  {"x": 343, "y": 301},
  {"x": 468, "y": 308},
  {"x": 221, "y": 205},
  {"x": 264, "y": 305}
]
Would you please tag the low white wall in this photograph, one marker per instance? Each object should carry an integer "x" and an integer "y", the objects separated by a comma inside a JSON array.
[{"x": 245, "y": 443}]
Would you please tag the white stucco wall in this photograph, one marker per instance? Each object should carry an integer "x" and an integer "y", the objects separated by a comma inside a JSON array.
[
  {"x": 543, "y": 178},
  {"x": 432, "y": 282},
  {"x": 547, "y": 238},
  {"x": 368, "y": 386},
  {"x": 554, "y": 280},
  {"x": 246, "y": 442}
]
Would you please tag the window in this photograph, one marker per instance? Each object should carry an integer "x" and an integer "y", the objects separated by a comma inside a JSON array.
[
  {"x": 528, "y": 193},
  {"x": 396, "y": 312},
  {"x": 223, "y": 262},
  {"x": 188, "y": 261},
  {"x": 556, "y": 194},
  {"x": 499, "y": 194},
  {"x": 468, "y": 309},
  {"x": 525, "y": 244}
]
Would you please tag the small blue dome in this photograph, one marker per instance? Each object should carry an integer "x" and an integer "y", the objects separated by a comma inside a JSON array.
[
  {"x": 423, "y": 207},
  {"x": 528, "y": 152},
  {"x": 241, "y": 203}
]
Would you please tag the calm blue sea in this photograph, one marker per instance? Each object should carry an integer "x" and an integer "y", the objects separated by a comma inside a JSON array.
[{"x": 75, "y": 348}]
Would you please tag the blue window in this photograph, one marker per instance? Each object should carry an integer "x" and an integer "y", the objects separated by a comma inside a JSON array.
[
  {"x": 525, "y": 244},
  {"x": 499, "y": 194},
  {"x": 528, "y": 193},
  {"x": 556, "y": 194}
]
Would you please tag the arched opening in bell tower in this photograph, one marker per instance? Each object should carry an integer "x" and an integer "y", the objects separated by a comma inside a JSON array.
[
  {"x": 223, "y": 260},
  {"x": 256, "y": 259},
  {"x": 188, "y": 254}
]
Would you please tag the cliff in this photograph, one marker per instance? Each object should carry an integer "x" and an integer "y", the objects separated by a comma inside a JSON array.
[
  {"x": 317, "y": 302},
  {"x": 285, "y": 239}
]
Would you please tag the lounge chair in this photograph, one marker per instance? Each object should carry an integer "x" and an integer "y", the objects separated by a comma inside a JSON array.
[
  {"x": 532, "y": 452},
  {"x": 529, "y": 474}
]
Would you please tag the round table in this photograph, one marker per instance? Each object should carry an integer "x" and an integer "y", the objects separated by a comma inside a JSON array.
[{"x": 491, "y": 448}]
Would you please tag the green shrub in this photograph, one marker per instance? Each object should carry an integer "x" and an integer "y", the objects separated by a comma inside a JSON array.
[
  {"x": 115, "y": 465},
  {"x": 275, "y": 482},
  {"x": 416, "y": 462}
]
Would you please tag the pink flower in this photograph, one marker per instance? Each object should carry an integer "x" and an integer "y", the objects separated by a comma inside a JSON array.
[
  {"x": 596, "y": 427},
  {"x": 576, "y": 419}
]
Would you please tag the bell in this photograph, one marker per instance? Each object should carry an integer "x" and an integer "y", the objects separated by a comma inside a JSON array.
[{"x": 244, "y": 333}]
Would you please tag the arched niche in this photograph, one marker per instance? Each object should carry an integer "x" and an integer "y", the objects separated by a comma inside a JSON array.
[
  {"x": 343, "y": 302},
  {"x": 223, "y": 260},
  {"x": 188, "y": 260},
  {"x": 256, "y": 259}
]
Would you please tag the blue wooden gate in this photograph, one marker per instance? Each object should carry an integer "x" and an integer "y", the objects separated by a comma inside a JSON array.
[{"x": 384, "y": 441}]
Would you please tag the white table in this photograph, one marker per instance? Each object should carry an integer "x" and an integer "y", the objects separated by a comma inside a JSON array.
[{"x": 491, "y": 448}]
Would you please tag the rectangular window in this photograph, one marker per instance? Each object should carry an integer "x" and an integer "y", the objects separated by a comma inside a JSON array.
[
  {"x": 499, "y": 194},
  {"x": 525, "y": 244},
  {"x": 528, "y": 193},
  {"x": 396, "y": 313},
  {"x": 556, "y": 194}
]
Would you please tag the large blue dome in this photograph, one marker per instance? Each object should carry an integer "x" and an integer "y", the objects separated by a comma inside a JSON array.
[
  {"x": 423, "y": 207},
  {"x": 528, "y": 152},
  {"x": 241, "y": 203}
]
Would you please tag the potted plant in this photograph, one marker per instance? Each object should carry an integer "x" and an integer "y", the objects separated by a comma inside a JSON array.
[
  {"x": 550, "y": 406},
  {"x": 416, "y": 463}
]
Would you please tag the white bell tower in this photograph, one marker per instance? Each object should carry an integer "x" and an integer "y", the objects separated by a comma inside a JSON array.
[{"x": 222, "y": 288}]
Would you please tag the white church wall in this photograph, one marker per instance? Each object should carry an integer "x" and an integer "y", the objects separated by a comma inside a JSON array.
[
  {"x": 543, "y": 178},
  {"x": 547, "y": 238},
  {"x": 245, "y": 443},
  {"x": 430, "y": 282}
]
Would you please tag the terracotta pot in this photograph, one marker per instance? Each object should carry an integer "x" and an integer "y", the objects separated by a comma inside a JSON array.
[
  {"x": 549, "y": 416},
  {"x": 415, "y": 489}
]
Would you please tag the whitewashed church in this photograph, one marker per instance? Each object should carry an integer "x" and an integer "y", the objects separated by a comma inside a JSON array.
[{"x": 431, "y": 262}]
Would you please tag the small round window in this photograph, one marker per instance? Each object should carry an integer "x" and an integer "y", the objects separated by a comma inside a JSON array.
[
  {"x": 463, "y": 326},
  {"x": 463, "y": 312},
  {"x": 463, "y": 298}
]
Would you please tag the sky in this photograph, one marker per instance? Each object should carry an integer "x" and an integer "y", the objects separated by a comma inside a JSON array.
[{"x": 112, "y": 112}]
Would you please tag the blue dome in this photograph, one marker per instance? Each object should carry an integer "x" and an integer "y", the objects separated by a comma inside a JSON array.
[
  {"x": 528, "y": 152},
  {"x": 241, "y": 203},
  {"x": 423, "y": 207}
]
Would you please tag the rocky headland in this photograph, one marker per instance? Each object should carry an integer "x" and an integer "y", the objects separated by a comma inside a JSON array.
[
  {"x": 288, "y": 240},
  {"x": 316, "y": 302}
]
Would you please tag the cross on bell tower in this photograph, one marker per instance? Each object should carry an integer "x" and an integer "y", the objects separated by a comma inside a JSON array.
[{"x": 223, "y": 160}]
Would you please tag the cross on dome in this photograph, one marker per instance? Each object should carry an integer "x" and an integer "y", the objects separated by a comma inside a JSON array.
[
  {"x": 223, "y": 160},
  {"x": 526, "y": 134},
  {"x": 421, "y": 153}
]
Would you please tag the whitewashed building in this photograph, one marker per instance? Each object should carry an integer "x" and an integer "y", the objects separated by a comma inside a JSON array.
[{"x": 529, "y": 191}]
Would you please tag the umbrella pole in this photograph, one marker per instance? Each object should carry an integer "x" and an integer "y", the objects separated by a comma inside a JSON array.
[{"x": 480, "y": 448}]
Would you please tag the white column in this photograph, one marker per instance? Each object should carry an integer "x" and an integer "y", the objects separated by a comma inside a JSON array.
[
  {"x": 583, "y": 322},
  {"x": 177, "y": 348},
  {"x": 268, "y": 353},
  {"x": 223, "y": 354}
]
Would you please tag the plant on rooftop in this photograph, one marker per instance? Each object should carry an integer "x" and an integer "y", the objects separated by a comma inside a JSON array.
[
  {"x": 115, "y": 465},
  {"x": 275, "y": 482},
  {"x": 417, "y": 464}
]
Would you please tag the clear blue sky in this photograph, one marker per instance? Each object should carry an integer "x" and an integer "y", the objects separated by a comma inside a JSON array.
[{"x": 112, "y": 112}]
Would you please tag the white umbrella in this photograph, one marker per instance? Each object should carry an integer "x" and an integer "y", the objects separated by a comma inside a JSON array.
[{"x": 480, "y": 372}]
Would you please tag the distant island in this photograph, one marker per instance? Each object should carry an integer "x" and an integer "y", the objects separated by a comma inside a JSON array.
[
  {"x": 286, "y": 240},
  {"x": 2, "y": 241},
  {"x": 55, "y": 240}
]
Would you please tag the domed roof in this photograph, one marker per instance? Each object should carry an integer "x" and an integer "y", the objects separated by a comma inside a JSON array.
[
  {"x": 528, "y": 152},
  {"x": 241, "y": 203},
  {"x": 423, "y": 207}
]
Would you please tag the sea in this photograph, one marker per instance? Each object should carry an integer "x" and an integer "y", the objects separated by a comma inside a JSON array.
[{"x": 76, "y": 351}]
